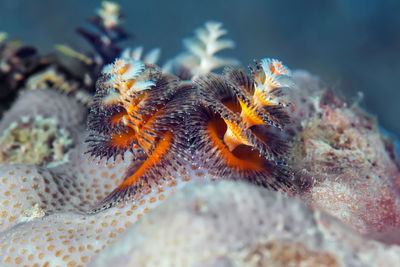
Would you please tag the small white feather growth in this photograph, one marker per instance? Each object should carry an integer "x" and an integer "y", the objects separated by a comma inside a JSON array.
[
  {"x": 200, "y": 57},
  {"x": 136, "y": 53}
]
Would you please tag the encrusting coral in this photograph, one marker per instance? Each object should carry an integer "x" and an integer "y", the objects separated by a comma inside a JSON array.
[
  {"x": 236, "y": 224},
  {"x": 353, "y": 174},
  {"x": 152, "y": 131}
]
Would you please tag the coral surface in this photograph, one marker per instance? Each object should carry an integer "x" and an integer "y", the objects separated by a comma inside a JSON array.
[
  {"x": 353, "y": 174},
  {"x": 236, "y": 224}
]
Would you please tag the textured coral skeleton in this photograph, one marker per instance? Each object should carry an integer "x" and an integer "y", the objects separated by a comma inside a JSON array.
[{"x": 151, "y": 131}]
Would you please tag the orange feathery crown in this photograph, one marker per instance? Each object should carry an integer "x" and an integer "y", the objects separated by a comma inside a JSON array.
[{"x": 229, "y": 124}]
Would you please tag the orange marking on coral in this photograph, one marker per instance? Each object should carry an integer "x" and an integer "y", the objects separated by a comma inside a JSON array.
[
  {"x": 152, "y": 160},
  {"x": 160, "y": 190},
  {"x": 152, "y": 199},
  {"x": 199, "y": 174},
  {"x": 146, "y": 210},
  {"x": 172, "y": 183},
  {"x": 252, "y": 163},
  {"x": 186, "y": 178}
]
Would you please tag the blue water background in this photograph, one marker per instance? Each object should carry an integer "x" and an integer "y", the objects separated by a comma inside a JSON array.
[{"x": 352, "y": 44}]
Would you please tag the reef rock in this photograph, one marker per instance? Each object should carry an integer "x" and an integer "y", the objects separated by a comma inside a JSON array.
[
  {"x": 238, "y": 224},
  {"x": 347, "y": 164}
]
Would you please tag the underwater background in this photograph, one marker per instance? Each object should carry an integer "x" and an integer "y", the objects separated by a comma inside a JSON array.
[{"x": 353, "y": 45}]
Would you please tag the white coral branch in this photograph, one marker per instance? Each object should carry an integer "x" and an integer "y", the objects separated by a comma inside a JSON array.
[
  {"x": 201, "y": 57},
  {"x": 150, "y": 57}
]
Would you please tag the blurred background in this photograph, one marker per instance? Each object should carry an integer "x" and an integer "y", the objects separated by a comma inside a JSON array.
[{"x": 354, "y": 45}]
